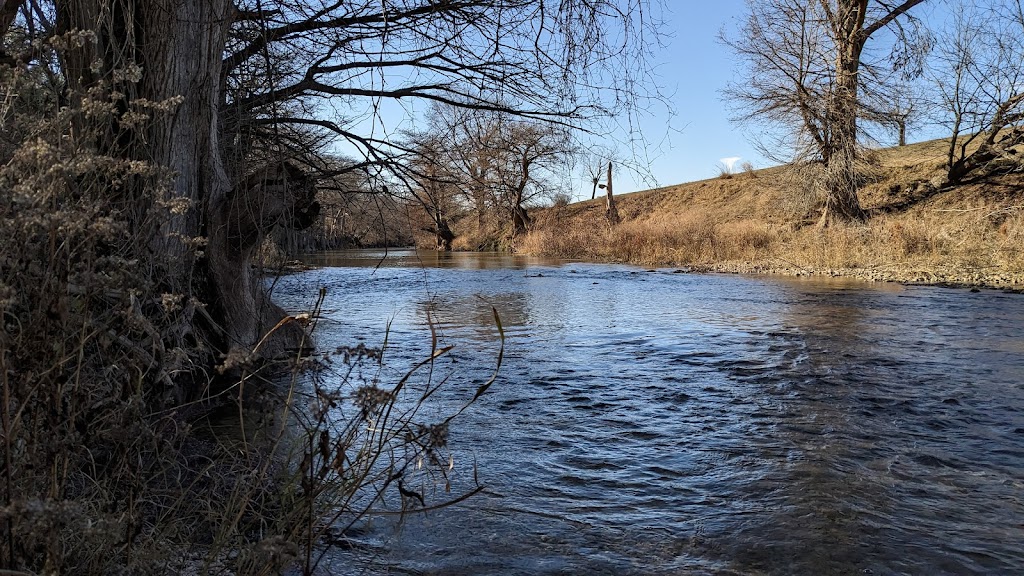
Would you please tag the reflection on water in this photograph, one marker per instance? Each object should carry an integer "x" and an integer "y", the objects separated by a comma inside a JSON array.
[
  {"x": 404, "y": 258},
  {"x": 659, "y": 423}
]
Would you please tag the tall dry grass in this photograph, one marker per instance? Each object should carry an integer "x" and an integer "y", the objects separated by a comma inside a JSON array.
[
  {"x": 690, "y": 239},
  {"x": 983, "y": 241}
]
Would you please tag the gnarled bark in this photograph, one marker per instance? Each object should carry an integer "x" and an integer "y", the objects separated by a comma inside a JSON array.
[
  {"x": 520, "y": 220},
  {"x": 839, "y": 186},
  {"x": 276, "y": 195},
  {"x": 178, "y": 47},
  {"x": 443, "y": 234}
]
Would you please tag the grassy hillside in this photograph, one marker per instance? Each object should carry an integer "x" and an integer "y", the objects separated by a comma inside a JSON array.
[{"x": 764, "y": 221}]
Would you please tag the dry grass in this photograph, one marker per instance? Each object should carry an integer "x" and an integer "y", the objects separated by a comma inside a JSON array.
[
  {"x": 692, "y": 239},
  {"x": 763, "y": 221}
]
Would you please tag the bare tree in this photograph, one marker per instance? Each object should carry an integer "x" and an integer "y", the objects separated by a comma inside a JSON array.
[
  {"x": 810, "y": 73},
  {"x": 528, "y": 157},
  {"x": 980, "y": 87},
  {"x": 471, "y": 161},
  {"x": 352, "y": 214},
  {"x": 501, "y": 163},
  {"x": 244, "y": 72},
  {"x": 898, "y": 110},
  {"x": 434, "y": 185}
]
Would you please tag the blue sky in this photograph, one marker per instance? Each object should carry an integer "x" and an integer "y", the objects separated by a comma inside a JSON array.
[{"x": 692, "y": 69}]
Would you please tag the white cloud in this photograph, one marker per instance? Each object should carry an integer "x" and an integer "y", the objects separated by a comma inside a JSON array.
[{"x": 730, "y": 162}]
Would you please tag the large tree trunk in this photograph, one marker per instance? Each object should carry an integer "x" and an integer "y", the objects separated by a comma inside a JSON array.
[
  {"x": 443, "y": 234},
  {"x": 481, "y": 210},
  {"x": 239, "y": 222},
  {"x": 181, "y": 58},
  {"x": 179, "y": 47},
  {"x": 520, "y": 220},
  {"x": 840, "y": 180}
]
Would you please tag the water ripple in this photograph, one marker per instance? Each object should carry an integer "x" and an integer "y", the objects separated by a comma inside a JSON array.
[{"x": 658, "y": 423}]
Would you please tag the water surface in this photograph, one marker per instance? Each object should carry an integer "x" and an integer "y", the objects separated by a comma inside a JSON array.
[{"x": 651, "y": 422}]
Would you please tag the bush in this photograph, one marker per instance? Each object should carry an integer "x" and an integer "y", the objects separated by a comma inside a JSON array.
[
  {"x": 108, "y": 466},
  {"x": 748, "y": 168},
  {"x": 83, "y": 357},
  {"x": 689, "y": 239},
  {"x": 561, "y": 200}
]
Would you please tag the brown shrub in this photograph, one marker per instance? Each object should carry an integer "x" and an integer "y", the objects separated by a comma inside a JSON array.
[
  {"x": 748, "y": 169},
  {"x": 745, "y": 239},
  {"x": 1010, "y": 241},
  {"x": 692, "y": 238},
  {"x": 106, "y": 469},
  {"x": 835, "y": 247},
  {"x": 911, "y": 238}
]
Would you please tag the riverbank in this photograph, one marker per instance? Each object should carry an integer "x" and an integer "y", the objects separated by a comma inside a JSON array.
[{"x": 764, "y": 222}]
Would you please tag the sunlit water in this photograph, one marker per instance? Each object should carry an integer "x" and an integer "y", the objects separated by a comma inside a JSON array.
[{"x": 651, "y": 422}]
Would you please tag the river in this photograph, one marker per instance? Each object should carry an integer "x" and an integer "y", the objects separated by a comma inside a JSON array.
[{"x": 656, "y": 422}]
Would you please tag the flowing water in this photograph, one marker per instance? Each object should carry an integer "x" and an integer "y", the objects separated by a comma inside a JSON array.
[{"x": 652, "y": 422}]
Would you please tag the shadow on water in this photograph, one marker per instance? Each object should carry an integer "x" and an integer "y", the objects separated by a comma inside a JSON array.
[{"x": 658, "y": 423}]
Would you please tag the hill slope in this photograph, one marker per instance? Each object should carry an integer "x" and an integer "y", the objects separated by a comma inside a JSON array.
[{"x": 764, "y": 222}]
